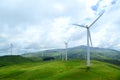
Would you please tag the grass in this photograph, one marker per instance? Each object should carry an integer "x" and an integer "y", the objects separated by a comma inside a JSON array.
[
  {"x": 13, "y": 59},
  {"x": 60, "y": 70}
]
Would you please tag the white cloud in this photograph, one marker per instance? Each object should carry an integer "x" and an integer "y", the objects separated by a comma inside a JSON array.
[
  {"x": 59, "y": 7},
  {"x": 28, "y": 23}
]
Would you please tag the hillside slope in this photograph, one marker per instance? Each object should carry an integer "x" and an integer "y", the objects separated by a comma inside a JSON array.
[
  {"x": 13, "y": 59},
  {"x": 61, "y": 70}
]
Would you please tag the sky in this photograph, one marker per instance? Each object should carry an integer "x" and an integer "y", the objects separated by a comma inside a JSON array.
[{"x": 34, "y": 25}]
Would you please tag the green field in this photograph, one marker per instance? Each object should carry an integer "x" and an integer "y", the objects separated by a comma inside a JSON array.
[{"x": 60, "y": 70}]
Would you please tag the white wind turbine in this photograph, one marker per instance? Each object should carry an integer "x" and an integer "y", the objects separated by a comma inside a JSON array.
[
  {"x": 88, "y": 38},
  {"x": 11, "y": 49},
  {"x": 42, "y": 48},
  {"x": 66, "y": 51}
]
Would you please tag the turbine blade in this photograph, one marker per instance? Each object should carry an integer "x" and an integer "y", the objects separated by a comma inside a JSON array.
[
  {"x": 90, "y": 37},
  {"x": 96, "y": 20},
  {"x": 79, "y": 25}
]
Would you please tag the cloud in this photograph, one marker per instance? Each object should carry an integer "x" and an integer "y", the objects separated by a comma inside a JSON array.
[
  {"x": 32, "y": 24},
  {"x": 107, "y": 35}
]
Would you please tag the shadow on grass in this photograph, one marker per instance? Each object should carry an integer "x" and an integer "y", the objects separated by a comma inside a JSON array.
[
  {"x": 118, "y": 68},
  {"x": 13, "y": 74},
  {"x": 86, "y": 69}
]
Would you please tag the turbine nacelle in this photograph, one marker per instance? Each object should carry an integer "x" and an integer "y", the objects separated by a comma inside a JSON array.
[{"x": 87, "y": 26}]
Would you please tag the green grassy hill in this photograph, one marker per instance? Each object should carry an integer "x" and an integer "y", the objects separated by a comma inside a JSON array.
[
  {"x": 13, "y": 59},
  {"x": 60, "y": 70}
]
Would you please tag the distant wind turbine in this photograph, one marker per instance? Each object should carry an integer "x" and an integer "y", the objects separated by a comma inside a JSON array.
[
  {"x": 11, "y": 48},
  {"x": 43, "y": 49},
  {"x": 66, "y": 51},
  {"x": 88, "y": 38},
  {"x": 42, "y": 55}
]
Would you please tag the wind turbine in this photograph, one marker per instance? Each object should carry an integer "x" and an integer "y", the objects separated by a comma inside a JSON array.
[
  {"x": 66, "y": 51},
  {"x": 11, "y": 48},
  {"x": 88, "y": 38},
  {"x": 42, "y": 55}
]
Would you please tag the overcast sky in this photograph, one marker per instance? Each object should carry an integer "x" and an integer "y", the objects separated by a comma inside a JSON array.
[{"x": 31, "y": 25}]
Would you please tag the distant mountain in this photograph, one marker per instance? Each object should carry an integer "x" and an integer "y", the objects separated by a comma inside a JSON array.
[{"x": 79, "y": 52}]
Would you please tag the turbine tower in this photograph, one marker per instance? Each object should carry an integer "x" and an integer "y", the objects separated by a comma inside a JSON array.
[
  {"x": 88, "y": 38},
  {"x": 42, "y": 55},
  {"x": 11, "y": 48},
  {"x": 66, "y": 52}
]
